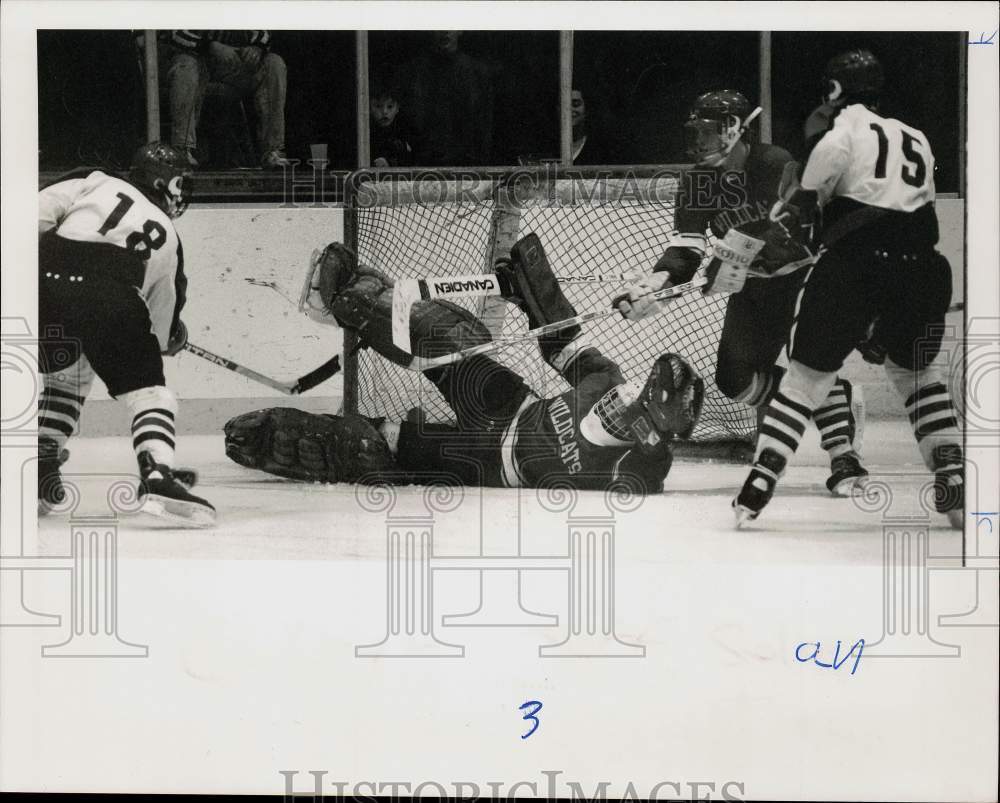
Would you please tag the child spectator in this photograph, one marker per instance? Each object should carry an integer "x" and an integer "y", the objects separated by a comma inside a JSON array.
[{"x": 390, "y": 138}]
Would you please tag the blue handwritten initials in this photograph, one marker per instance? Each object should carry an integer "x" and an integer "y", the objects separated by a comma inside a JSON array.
[
  {"x": 982, "y": 40},
  {"x": 984, "y": 518},
  {"x": 838, "y": 662},
  {"x": 530, "y": 715}
]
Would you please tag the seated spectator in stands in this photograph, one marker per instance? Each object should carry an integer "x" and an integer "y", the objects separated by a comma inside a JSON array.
[
  {"x": 389, "y": 137},
  {"x": 240, "y": 59},
  {"x": 448, "y": 99},
  {"x": 588, "y": 149}
]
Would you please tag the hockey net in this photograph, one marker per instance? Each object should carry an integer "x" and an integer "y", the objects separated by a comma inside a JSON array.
[{"x": 590, "y": 221}]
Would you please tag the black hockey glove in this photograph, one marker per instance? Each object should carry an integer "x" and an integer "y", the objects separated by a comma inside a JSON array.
[{"x": 681, "y": 262}]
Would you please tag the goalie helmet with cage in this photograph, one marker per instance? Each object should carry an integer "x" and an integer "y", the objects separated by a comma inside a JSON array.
[
  {"x": 715, "y": 124},
  {"x": 163, "y": 173},
  {"x": 853, "y": 77},
  {"x": 668, "y": 406}
]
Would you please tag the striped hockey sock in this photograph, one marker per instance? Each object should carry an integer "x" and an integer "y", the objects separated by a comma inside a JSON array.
[
  {"x": 784, "y": 423},
  {"x": 933, "y": 419},
  {"x": 833, "y": 420},
  {"x": 61, "y": 402},
  {"x": 59, "y": 415},
  {"x": 154, "y": 410}
]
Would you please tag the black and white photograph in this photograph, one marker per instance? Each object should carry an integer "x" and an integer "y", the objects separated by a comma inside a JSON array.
[{"x": 486, "y": 400}]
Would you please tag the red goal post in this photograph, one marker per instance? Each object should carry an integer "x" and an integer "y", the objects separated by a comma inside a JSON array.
[{"x": 592, "y": 221}]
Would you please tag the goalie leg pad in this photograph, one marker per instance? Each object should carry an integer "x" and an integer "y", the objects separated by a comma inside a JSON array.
[
  {"x": 437, "y": 327},
  {"x": 535, "y": 290},
  {"x": 298, "y": 445}
]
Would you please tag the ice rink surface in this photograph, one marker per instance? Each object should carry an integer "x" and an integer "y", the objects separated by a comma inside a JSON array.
[{"x": 256, "y": 635}]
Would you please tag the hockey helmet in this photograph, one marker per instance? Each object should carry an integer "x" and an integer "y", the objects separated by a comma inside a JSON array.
[
  {"x": 853, "y": 76},
  {"x": 163, "y": 173},
  {"x": 714, "y": 125}
]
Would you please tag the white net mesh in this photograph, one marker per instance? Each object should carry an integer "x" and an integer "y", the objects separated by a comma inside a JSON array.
[{"x": 588, "y": 223}]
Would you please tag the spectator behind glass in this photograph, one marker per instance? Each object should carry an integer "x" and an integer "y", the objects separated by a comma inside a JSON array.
[
  {"x": 588, "y": 149},
  {"x": 389, "y": 137},
  {"x": 241, "y": 60},
  {"x": 447, "y": 97}
]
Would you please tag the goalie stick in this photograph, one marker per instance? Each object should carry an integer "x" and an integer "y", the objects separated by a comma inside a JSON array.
[
  {"x": 300, "y": 385},
  {"x": 406, "y": 292},
  {"x": 426, "y": 363}
]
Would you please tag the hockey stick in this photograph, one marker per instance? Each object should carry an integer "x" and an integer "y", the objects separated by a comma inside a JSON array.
[
  {"x": 425, "y": 363},
  {"x": 300, "y": 385},
  {"x": 598, "y": 278}
]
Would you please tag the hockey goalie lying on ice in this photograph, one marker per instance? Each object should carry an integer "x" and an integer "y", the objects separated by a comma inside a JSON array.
[{"x": 601, "y": 434}]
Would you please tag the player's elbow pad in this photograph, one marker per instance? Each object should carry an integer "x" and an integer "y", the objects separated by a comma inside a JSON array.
[{"x": 681, "y": 262}]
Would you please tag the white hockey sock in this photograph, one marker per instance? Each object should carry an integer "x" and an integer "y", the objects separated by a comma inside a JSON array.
[
  {"x": 833, "y": 420},
  {"x": 62, "y": 401},
  {"x": 154, "y": 410}
]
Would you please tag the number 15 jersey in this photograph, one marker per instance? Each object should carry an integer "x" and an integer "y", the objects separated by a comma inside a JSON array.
[
  {"x": 873, "y": 160},
  {"x": 104, "y": 209}
]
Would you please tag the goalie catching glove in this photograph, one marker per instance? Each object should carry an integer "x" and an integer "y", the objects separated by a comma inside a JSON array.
[
  {"x": 341, "y": 292},
  {"x": 668, "y": 406},
  {"x": 297, "y": 445}
]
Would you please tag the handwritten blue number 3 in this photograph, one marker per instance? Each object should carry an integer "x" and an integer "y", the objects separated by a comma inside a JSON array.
[{"x": 530, "y": 715}]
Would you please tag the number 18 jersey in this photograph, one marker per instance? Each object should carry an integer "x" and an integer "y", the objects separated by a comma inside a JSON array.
[
  {"x": 104, "y": 209},
  {"x": 873, "y": 160}
]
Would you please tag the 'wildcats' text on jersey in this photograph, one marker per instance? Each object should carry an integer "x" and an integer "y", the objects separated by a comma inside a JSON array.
[
  {"x": 102, "y": 209},
  {"x": 876, "y": 161}
]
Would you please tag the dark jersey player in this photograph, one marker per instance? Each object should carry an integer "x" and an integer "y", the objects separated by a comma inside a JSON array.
[
  {"x": 874, "y": 179},
  {"x": 603, "y": 433},
  {"x": 110, "y": 290},
  {"x": 732, "y": 189}
]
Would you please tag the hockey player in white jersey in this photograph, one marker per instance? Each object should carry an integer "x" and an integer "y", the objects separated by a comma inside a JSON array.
[
  {"x": 111, "y": 286},
  {"x": 873, "y": 177}
]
